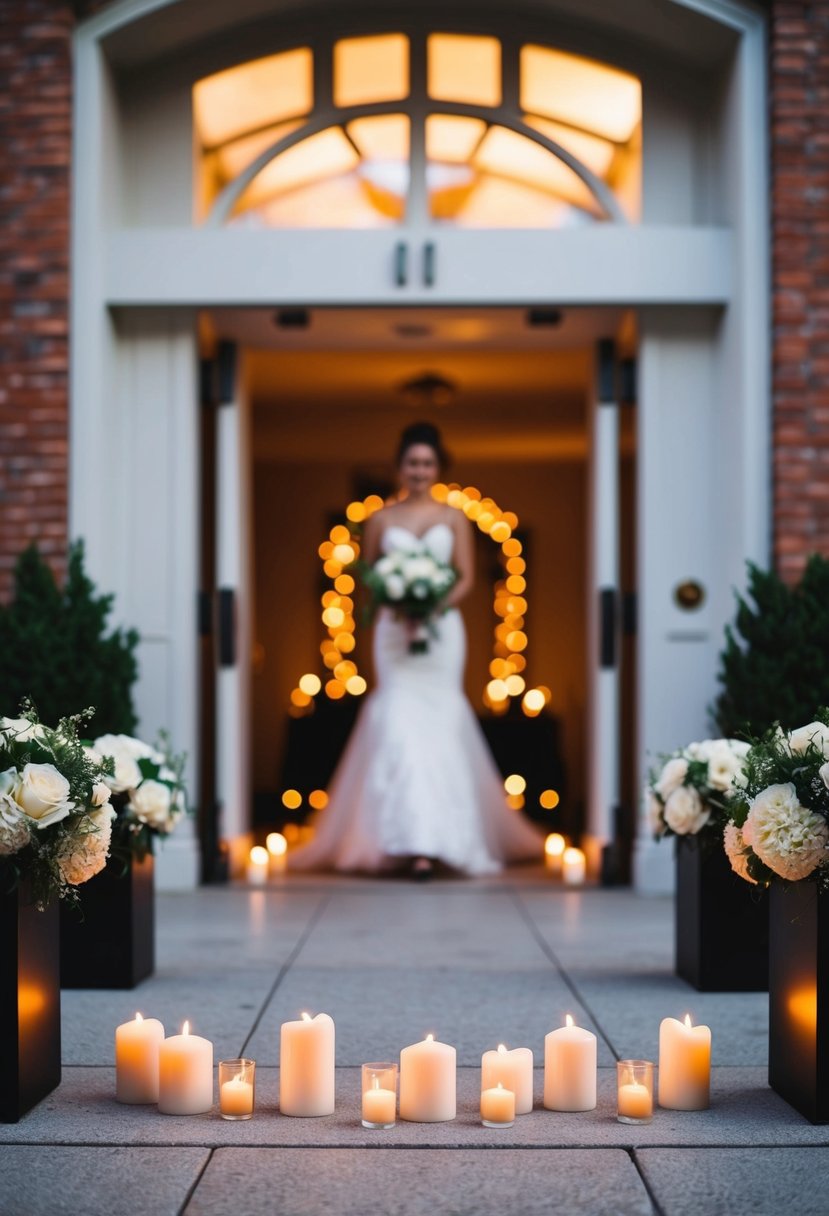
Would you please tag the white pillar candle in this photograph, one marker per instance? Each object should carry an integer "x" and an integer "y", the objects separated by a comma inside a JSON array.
[
  {"x": 635, "y": 1101},
  {"x": 236, "y": 1097},
  {"x": 185, "y": 1074},
  {"x": 379, "y": 1105},
  {"x": 277, "y": 852},
  {"x": 684, "y": 1065},
  {"x": 573, "y": 867},
  {"x": 512, "y": 1069},
  {"x": 306, "y": 1067},
  {"x": 427, "y": 1082},
  {"x": 570, "y": 1064},
  {"x": 136, "y": 1060},
  {"x": 554, "y": 847},
  {"x": 258, "y": 866},
  {"x": 498, "y": 1105}
]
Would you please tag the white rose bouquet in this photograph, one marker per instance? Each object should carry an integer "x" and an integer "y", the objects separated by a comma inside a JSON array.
[
  {"x": 147, "y": 789},
  {"x": 414, "y": 585},
  {"x": 55, "y": 813},
  {"x": 779, "y": 814},
  {"x": 690, "y": 791}
]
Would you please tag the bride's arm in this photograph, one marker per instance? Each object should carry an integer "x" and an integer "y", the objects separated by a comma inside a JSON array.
[{"x": 464, "y": 560}]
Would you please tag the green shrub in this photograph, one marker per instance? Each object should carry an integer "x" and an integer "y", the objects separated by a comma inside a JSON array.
[
  {"x": 55, "y": 649},
  {"x": 775, "y": 665}
]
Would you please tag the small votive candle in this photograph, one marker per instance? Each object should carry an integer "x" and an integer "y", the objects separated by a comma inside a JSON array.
[
  {"x": 634, "y": 1094},
  {"x": 277, "y": 852},
  {"x": 554, "y": 847},
  {"x": 497, "y": 1107},
  {"x": 379, "y": 1096},
  {"x": 237, "y": 1088},
  {"x": 258, "y": 866},
  {"x": 573, "y": 867}
]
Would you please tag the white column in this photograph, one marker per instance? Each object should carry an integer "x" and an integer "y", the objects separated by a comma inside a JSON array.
[
  {"x": 233, "y": 577},
  {"x": 603, "y": 611}
]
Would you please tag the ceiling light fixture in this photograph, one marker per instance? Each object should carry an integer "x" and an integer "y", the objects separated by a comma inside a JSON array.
[{"x": 429, "y": 390}]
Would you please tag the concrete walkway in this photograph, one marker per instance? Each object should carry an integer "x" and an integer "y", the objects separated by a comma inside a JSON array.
[{"x": 475, "y": 962}]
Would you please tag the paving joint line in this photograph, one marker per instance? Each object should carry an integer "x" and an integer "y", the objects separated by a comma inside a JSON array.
[
  {"x": 374, "y": 1147},
  {"x": 285, "y": 968},
  {"x": 657, "y": 1207},
  {"x": 192, "y": 1189},
  {"x": 547, "y": 949}
]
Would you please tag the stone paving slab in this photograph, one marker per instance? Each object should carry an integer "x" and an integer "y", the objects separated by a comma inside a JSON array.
[
  {"x": 465, "y": 1183},
  {"x": 743, "y": 1111},
  {"x": 381, "y": 1011},
  {"x": 57, "y": 1181},
  {"x": 599, "y": 929},
  {"x": 763, "y": 1182}
]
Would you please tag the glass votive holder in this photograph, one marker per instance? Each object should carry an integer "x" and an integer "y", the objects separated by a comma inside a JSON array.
[
  {"x": 379, "y": 1096},
  {"x": 634, "y": 1094},
  {"x": 237, "y": 1085},
  {"x": 497, "y": 1107}
]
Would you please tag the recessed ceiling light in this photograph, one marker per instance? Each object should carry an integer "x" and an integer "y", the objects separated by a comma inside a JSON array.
[
  {"x": 292, "y": 318},
  {"x": 412, "y": 330},
  {"x": 544, "y": 316}
]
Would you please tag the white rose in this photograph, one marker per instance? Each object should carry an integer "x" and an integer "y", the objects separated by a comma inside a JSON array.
[
  {"x": 672, "y": 776},
  {"x": 395, "y": 587},
  {"x": 815, "y": 733},
  {"x": 21, "y": 730},
  {"x": 127, "y": 773},
  {"x": 43, "y": 793},
  {"x": 14, "y": 828},
  {"x": 151, "y": 804},
  {"x": 100, "y": 793},
  {"x": 653, "y": 811},
  {"x": 737, "y": 851},
  {"x": 723, "y": 765},
  {"x": 685, "y": 812},
  {"x": 700, "y": 751},
  {"x": 824, "y": 773}
]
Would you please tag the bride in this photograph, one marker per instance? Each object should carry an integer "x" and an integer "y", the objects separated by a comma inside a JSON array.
[{"x": 417, "y": 783}]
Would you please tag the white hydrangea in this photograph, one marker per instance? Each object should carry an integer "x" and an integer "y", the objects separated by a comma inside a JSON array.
[
  {"x": 787, "y": 837},
  {"x": 671, "y": 777},
  {"x": 84, "y": 853},
  {"x": 815, "y": 733},
  {"x": 737, "y": 851},
  {"x": 685, "y": 812}
]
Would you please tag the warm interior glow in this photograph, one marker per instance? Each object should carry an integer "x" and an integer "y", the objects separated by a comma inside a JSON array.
[
  {"x": 464, "y": 67},
  {"x": 555, "y": 844},
  {"x": 369, "y": 69},
  {"x": 383, "y": 137},
  {"x": 801, "y": 1006},
  {"x": 572, "y": 856},
  {"x": 259, "y": 855},
  {"x": 580, "y": 92},
  {"x": 507, "y": 154},
  {"x": 276, "y": 843},
  {"x": 235, "y": 156},
  {"x": 252, "y": 95},
  {"x": 452, "y": 138},
  {"x": 323, "y": 155},
  {"x": 596, "y": 153}
]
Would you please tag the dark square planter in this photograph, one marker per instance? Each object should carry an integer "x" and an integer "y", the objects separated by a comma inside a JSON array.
[
  {"x": 29, "y": 1003},
  {"x": 722, "y": 922},
  {"x": 799, "y": 998},
  {"x": 113, "y": 946}
]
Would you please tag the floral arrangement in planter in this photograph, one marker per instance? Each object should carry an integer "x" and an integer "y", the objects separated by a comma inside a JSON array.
[
  {"x": 690, "y": 792},
  {"x": 146, "y": 786},
  {"x": 55, "y": 811},
  {"x": 778, "y": 827}
]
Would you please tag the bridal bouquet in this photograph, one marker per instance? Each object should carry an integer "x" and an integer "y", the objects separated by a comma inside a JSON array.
[
  {"x": 55, "y": 813},
  {"x": 146, "y": 786},
  {"x": 779, "y": 825},
  {"x": 414, "y": 585},
  {"x": 690, "y": 791}
]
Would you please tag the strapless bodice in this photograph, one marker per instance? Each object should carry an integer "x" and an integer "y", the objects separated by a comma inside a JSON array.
[{"x": 439, "y": 540}]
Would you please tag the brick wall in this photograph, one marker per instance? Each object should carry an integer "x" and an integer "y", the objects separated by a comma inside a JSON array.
[
  {"x": 799, "y": 43},
  {"x": 35, "y": 131}
]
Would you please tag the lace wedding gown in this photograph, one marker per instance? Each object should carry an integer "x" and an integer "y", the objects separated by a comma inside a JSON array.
[{"x": 417, "y": 778}]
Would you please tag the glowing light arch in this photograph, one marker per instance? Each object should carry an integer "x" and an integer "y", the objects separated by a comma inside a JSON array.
[{"x": 342, "y": 548}]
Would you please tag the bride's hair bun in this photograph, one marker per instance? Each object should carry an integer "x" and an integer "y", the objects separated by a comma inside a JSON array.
[{"x": 423, "y": 433}]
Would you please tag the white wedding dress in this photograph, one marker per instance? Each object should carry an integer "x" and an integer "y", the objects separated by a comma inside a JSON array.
[{"x": 417, "y": 778}]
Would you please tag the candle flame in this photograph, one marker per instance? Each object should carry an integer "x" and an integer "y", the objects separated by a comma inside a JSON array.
[
  {"x": 306, "y": 1017},
  {"x": 375, "y": 1082},
  {"x": 430, "y": 1038},
  {"x": 185, "y": 1028},
  {"x": 568, "y": 1021},
  {"x": 500, "y": 1085},
  {"x": 138, "y": 1017},
  {"x": 688, "y": 1020},
  {"x": 501, "y": 1048}
]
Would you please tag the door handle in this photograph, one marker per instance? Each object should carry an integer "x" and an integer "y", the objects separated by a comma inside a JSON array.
[
  {"x": 401, "y": 264},
  {"x": 607, "y": 627},
  {"x": 429, "y": 257}
]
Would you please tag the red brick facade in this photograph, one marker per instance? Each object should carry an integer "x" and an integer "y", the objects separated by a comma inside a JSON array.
[
  {"x": 799, "y": 41},
  {"x": 35, "y": 135}
]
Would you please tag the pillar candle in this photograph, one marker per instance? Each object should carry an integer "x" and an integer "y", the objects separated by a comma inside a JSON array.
[
  {"x": 498, "y": 1105},
  {"x": 634, "y": 1101},
  {"x": 136, "y": 1060},
  {"x": 258, "y": 866},
  {"x": 185, "y": 1074},
  {"x": 684, "y": 1065},
  {"x": 512, "y": 1069},
  {"x": 379, "y": 1105},
  {"x": 306, "y": 1067},
  {"x": 573, "y": 866},
  {"x": 554, "y": 847},
  {"x": 427, "y": 1082},
  {"x": 570, "y": 1064},
  {"x": 236, "y": 1097}
]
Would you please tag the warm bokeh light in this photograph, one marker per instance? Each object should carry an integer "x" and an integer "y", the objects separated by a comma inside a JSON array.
[
  {"x": 291, "y": 799},
  {"x": 355, "y": 685},
  {"x": 555, "y": 844},
  {"x": 344, "y": 554},
  {"x": 300, "y": 699},
  {"x": 515, "y": 784},
  {"x": 512, "y": 547},
  {"x": 496, "y": 690},
  {"x": 515, "y": 802},
  {"x": 335, "y": 689},
  {"x": 515, "y": 685},
  {"x": 344, "y": 584},
  {"x": 801, "y": 1006},
  {"x": 259, "y": 855},
  {"x": 356, "y": 512},
  {"x": 318, "y": 800},
  {"x": 310, "y": 684},
  {"x": 533, "y": 700},
  {"x": 291, "y": 832},
  {"x": 549, "y": 799},
  {"x": 276, "y": 843}
]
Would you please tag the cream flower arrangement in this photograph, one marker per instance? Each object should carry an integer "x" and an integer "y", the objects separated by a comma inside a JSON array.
[
  {"x": 55, "y": 815},
  {"x": 146, "y": 785},
  {"x": 779, "y": 815},
  {"x": 689, "y": 792}
]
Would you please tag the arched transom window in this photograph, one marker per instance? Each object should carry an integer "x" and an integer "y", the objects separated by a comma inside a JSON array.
[{"x": 451, "y": 128}]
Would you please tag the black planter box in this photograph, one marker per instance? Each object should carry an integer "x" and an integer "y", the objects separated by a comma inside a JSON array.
[
  {"x": 113, "y": 945},
  {"x": 799, "y": 998},
  {"x": 29, "y": 1003},
  {"x": 722, "y": 922}
]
